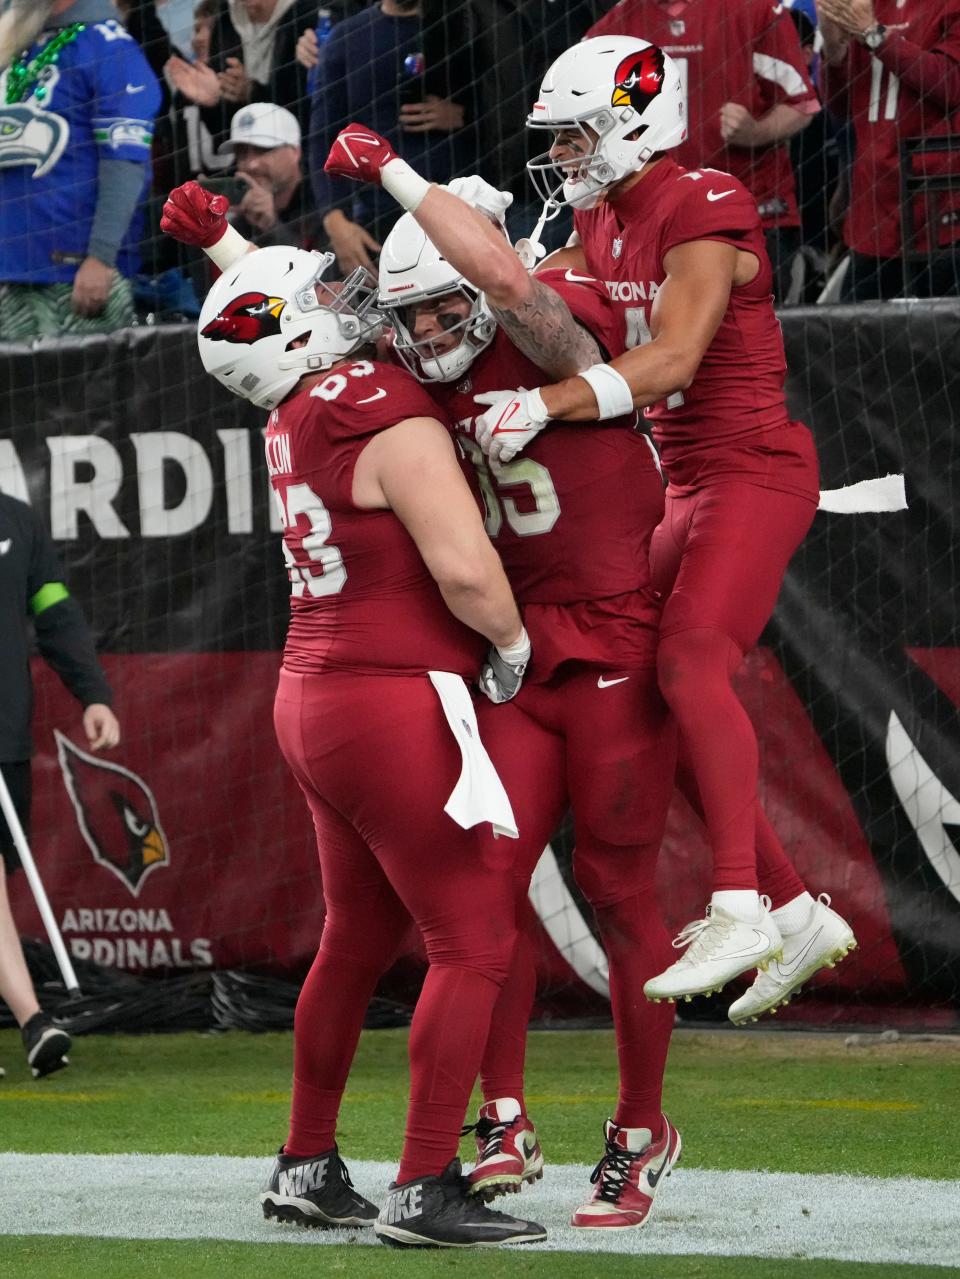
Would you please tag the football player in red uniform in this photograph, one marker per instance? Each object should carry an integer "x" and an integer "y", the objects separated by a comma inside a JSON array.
[
  {"x": 394, "y": 587},
  {"x": 572, "y": 522},
  {"x": 747, "y": 92},
  {"x": 683, "y": 258}
]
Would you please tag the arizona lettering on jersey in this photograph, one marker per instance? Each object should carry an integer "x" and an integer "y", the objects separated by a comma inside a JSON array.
[
  {"x": 885, "y": 109},
  {"x": 98, "y": 101},
  {"x": 751, "y": 57},
  {"x": 733, "y": 419},
  {"x": 572, "y": 517},
  {"x": 362, "y": 599}
]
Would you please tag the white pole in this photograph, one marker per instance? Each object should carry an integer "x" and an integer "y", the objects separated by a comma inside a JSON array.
[{"x": 36, "y": 886}]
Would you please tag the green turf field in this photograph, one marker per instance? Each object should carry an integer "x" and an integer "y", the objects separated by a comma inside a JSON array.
[{"x": 786, "y": 1102}]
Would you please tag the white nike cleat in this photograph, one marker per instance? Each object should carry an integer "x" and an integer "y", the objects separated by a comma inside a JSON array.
[
  {"x": 719, "y": 948},
  {"x": 822, "y": 942}
]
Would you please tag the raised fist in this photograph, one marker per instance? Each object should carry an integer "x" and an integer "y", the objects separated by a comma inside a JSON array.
[
  {"x": 359, "y": 153},
  {"x": 195, "y": 216}
]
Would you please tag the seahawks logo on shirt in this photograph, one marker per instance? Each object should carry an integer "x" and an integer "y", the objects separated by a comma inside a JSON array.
[{"x": 31, "y": 137}]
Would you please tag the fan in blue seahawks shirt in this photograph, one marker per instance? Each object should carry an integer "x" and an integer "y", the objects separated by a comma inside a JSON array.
[{"x": 76, "y": 123}]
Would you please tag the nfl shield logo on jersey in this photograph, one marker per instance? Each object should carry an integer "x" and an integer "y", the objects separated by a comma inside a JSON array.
[{"x": 617, "y": 246}]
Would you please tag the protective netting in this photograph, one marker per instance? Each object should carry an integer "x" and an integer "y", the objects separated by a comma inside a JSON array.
[{"x": 153, "y": 483}]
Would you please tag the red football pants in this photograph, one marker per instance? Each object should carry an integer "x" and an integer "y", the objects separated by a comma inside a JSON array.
[
  {"x": 376, "y": 761},
  {"x": 602, "y": 743},
  {"x": 718, "y": 559}
]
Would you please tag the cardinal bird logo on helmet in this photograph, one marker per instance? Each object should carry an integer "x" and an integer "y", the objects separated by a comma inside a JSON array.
[
  {"x": 246, "y": 319},
  {"x": 638, "y": 79},
  {"x": 116, "y": 812}
]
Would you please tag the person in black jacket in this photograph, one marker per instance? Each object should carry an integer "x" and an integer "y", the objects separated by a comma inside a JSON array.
[
  {"x": 31, "y": 585},
  {"x": 252, "y": 59}
]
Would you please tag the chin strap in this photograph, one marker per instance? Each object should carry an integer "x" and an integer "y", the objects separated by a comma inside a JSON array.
[{"x": 529, "y": 250}]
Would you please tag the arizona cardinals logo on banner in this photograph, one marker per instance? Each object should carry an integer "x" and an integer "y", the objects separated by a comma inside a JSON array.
[
  {"x": 638, "y": 79},
  {"x": 246, "y": 319},
  {"x": 116, "y": 812}
]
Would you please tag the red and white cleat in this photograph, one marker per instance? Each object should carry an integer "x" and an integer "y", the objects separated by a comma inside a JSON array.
[
  {"x": 508, "y": 1153},
  {"x": 628, "y": 1177}
]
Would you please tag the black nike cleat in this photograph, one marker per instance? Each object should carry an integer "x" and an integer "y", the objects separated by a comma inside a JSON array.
[
  {"x": 316, "y": 1192},
  {"x": 438, "y": 1212},
  {"x": 47, "y": 1045}
]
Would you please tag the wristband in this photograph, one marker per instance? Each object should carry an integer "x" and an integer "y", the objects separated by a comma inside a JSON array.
[
  {"x": 614, "y": 397},
  {"x": 518, "y": 651},
  {"x": 404, "y": 184},
  {"x": 230, "y": 248}
]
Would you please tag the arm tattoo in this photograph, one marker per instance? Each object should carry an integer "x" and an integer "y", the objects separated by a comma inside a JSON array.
[{"x": 545, "y": 331}]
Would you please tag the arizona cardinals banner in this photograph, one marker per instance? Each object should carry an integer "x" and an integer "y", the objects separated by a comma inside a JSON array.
[{"x": 190, "y": 846}]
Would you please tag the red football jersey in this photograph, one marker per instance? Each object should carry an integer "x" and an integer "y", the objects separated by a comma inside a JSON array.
[
  {"x": 749, "y": 54},
  {"x": 885, "y": 111},
  {"x": 733, "y": 420},
  {"x": 362, "y": 597},
  {"x": 573, "y": 515}
]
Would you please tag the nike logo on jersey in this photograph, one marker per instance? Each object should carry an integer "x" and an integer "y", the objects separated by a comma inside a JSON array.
[
  {"x": 608, "y": 683},
  {"x": 135, "y": 88},
  {"x": 713, "y": 196},
  {"x": 5, "y": 545},
  {"x": 787, "y": 970},
  {"x": 380, "y": 394},
  {"x": 578, "y": 279}
]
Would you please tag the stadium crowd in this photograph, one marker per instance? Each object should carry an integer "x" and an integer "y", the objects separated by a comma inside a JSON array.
[{"x": 841, "y": 119}]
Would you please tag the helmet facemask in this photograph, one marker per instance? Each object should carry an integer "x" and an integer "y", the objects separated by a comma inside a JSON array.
[
  {"x": 352, "y": 304},
  {"x": 430, "y": 359},
  {"x": 581, "y": 179}
]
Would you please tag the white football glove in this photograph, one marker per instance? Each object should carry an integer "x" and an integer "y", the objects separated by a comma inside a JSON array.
[
  {"x": 504, "y": 669},
  {"x": 510, "y": 423},
  {"x": 474, "y": 190}
]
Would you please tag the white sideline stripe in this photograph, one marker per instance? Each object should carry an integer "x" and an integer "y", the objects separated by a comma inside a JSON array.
[{"x": 757, "y": 1214}]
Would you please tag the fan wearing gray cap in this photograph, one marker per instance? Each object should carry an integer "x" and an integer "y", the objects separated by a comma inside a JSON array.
[{"x": 276, "y": 207}]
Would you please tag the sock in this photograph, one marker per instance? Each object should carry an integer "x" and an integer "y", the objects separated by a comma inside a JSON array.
[
  {"x": 778, "y": 878},
  {"x": 448, "y": 1035},
  {"x": 741, "y": 905},
  {"x": 795, "y": 914},
  {"x": 326, "y": 1028},
  {"x": 501, "y": 1072},
  {"x": 719, "y": 744},
  {"x": 638, "y": 947}
]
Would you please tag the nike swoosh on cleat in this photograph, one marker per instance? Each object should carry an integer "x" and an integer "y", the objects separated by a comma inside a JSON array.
[
  {"x": 607, "y": 683},
  {"x": 653, "y": 1178},
  {"x": 713, "y": 196},
  {"x": 763, "y": 943},
  {"x": 789, "y": 969}
]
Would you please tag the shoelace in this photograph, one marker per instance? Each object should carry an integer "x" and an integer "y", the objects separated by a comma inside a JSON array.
[
  {"x": 612, "y": 1172},
  {"x": 702, "y": 936},
  {"x": 489, "y": 1133},
  {"x": 344, "y": 1173}
]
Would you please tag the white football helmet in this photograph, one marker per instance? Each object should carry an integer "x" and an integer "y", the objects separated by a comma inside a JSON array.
[
  {"x": 264, "y": 303},
  {"x": 615, "y": 86},
  {"x": 413, "y": 270}
]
